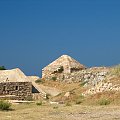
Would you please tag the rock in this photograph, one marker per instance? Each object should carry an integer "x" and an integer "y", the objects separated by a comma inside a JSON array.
[
  {"x": 54, "y": 102},
  {"x": 67, "y": 94}
]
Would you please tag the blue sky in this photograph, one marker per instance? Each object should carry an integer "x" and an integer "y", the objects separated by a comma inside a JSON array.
[{"x": 33, "y": 33}]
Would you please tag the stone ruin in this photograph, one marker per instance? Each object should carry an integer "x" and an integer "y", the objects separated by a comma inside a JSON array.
[
  {"x": 16, "y": 90},
  {"x": 61, "y": 67},
  {"x": 68, "y": 70},
  {"x": 15, "y": 84}
]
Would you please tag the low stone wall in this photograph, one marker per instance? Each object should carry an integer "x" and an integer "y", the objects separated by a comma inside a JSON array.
[
  {"x": 102, "y": 87},
  {"x": 21, "y": 90}
]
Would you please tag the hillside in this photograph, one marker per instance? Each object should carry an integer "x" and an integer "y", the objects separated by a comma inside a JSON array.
[{"x": 83, "y": 86}]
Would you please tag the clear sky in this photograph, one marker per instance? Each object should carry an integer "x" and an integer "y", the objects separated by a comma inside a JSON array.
[{"x": 33, "y": 33}]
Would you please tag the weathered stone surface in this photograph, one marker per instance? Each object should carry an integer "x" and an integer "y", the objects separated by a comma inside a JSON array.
[
  {"x": 67, "y": 94},
  {"x": 13, "y": 75},
  {"x": 64, "y": 64},
  {"x": 15, "y": 82},
  {"x": 21, "y": 90},
  {"x": 91, "y": 76},
  {"x": 101, "y": 87},
  {"x": 33, "y": 78}
]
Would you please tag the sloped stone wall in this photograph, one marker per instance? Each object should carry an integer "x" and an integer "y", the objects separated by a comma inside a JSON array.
[{"x": 21, "y": 90}]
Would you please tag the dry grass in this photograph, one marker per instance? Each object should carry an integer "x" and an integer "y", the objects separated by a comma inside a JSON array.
[
  {"x": 60, "y": 112},
  {"x": 116, "y": 70},
  {"x": 60, "y": 85}
]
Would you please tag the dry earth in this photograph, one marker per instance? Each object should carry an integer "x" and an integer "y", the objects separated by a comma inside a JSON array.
[{"x": 61, "y": 112}]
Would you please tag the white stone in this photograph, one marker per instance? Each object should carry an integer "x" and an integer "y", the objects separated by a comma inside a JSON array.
[{"x": 67, "y": 94}]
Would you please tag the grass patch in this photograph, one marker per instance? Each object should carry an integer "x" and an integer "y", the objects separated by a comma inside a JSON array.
[
  {"x": 68, "y": 104},
  {"x": 83, "y": 83},
  {"x": 55, "y": 107},
  {"x": 116, "y": 70},
  {"x": 4, "y": 105},
  {"x": 39, "y": 81},
  {"x": 104, "y": 101},
  {"x": 80, "y": 99},
  {"x": 39, "y": 103}
]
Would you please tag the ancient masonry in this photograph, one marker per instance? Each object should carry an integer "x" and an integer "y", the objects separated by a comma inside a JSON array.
[
  {"x": 68, "y": 70},
  {"x": 15, "y": 84},
  {"x": 61, "y": 67},
  {"x": 17, "y": 90}
]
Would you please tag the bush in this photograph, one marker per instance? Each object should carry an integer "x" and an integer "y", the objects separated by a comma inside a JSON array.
[
  {"x": 54, "y": 78},
  {"x": 4, "y": 105},
  {"x": 104, "y": 101},
  {"x": 39, "y": 103},
  {"x": 39, "y": 81},
  {"x": 2, "y": 68}
]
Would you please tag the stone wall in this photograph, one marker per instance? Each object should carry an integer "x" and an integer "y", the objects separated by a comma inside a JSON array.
[
  {"x": 102, "y": 87},
  {"x": 21, "y": 90},
  {"x": 91, "y": 76}
]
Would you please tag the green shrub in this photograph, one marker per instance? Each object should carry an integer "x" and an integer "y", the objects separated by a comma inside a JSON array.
[
  {"x": 39, "y": 103},
  {"x": 4, "y": 105},
  {"x": 54, "y": 78},
  {"x": 39, "y": 81},
  {"x": 104, "y": 101},
  {"x": 2, "y": 68}
]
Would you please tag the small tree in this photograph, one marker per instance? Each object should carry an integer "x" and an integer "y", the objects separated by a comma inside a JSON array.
[{"x": 2, "y": 68}]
